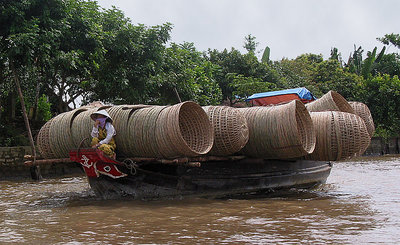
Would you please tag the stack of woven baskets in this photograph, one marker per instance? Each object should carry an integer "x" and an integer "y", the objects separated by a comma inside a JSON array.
[
  {"x": 329, "y": 128},
  {"x": 279, "y": 132},
  {"x": 340, "y": 131},
  {"x": 143, "y": 131}
]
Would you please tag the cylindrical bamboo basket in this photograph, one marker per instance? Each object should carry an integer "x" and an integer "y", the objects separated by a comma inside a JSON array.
[
  {"x": 331, "y": 101},
  {"x": 363, "y": 111},
  {"x": 231, "y": 132},
  {"x": 43, "y": 141},
  {"x": 340, "y": 135},
  {"x": 141, "y": 132},
  {"x": 183, "y": 130},
  {"x": 60, "y": 135},
  {"x": 81, "y": 127},
  {"x": 120, "y": 116},
  {"x": 279, "y": 132}
]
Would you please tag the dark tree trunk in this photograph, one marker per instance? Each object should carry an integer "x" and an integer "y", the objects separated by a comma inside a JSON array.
[
  {"x": 35, "y": 103},
  {"x": 12, "y": 101}
]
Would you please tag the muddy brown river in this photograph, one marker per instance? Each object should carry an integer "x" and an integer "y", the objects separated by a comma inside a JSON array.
[{"x": 359, "y": 204}]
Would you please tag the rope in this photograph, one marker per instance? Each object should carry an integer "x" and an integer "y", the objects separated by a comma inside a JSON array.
[{"x": 131, "y": 165}]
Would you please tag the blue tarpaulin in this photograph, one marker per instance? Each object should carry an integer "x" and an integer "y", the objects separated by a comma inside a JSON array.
[{"x": 303, "y": 93}]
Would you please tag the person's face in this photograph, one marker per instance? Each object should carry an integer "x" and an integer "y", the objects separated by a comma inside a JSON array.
[{"x": 100, "y": 116}]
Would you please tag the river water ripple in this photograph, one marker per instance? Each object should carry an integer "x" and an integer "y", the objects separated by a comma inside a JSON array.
[{"x": 359, "y": 204}]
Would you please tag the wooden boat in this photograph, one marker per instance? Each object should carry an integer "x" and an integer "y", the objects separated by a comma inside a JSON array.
[{"x": 215, "y": 177}]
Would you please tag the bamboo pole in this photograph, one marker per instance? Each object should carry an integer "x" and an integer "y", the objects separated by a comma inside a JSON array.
[
  {"x": 177, "y": 95},
  {"x": 46, "y": 161},
  {"x": 35, "y": 170}
]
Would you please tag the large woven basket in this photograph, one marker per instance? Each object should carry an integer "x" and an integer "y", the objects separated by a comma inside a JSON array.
[
  {"x": 363, "y": 111},
  {"x": 120, "y": 116},
  {"x": 279, "y": 132},
  {"x": 81, "y": 127},
  {"x": 331, "y": 101},
  {"x": 59, "y": 133},
  {"x": 231, "y": 132},
  {"x": 149, "y": 131},
  {"x": 141, "y": 132},
  {"x": 340, "y": 135},
  {"x": 183, "y": 130},
  {"x": 61, "y": 141},
  {"x": 43, "y": 141}
]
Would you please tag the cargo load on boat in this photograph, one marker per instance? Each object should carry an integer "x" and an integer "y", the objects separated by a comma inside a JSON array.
[
  {"x": 284, "y": 131},
  {"x": 189, "y": 150}
]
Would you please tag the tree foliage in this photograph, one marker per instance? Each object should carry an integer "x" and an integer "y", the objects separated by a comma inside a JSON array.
[
  {"x": 381, "y": 94},
  {"x": 238, "y": 71},
  {"x": 70, "y": 51},
  {"x": 75, "y": 49},
  {"x": 250, "y": 44},
  {"x": 392, "y": 38},
  {"x": 186, "y": 75}
]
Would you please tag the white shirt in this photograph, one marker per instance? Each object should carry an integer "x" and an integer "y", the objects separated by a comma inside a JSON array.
[{"x": 110, "y": 133}]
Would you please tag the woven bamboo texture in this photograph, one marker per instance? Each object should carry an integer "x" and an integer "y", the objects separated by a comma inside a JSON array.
[
  {"x": 120, "y": 119},
  {"x": 163, "y": 131},
  {"x": 141, "y": 132},
  {"x": 184, "y": 130},
  {"x": 363, "y": 111},
  {"x": 340, "y": 135},
  {"x": 231, "y": 132},
  {"x": 331, "y": 101},
  {"x": 144, "y": 131},
  {"x": 81, "y": 127},
  {"x": 55, "y": 137},
  {"x": 43, "y": 141},
  {"x": 279, "y": 132}
]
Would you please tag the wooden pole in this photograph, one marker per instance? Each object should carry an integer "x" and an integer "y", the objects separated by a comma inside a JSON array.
[
  {"x": 35, "y": 170},
  {"x": 47, "y": 161},
  {"x": 177, "y": 95}
]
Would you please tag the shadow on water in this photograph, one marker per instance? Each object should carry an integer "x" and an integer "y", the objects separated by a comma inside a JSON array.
[{"x": 88, "y": 198}]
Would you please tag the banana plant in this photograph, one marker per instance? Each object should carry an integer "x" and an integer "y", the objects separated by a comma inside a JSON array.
[
  {"x": 265, "y": 57},
  {"x": 364, "y": 67},
  {"x": 372, "y": 59},
  {"x": 355, "y": 61}
]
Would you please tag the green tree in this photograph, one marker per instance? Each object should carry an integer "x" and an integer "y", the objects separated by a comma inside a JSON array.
[
  {"x": 243, "y": 86},
  {"x": 366, "y": 67},
  {"x": 329, "y": 75},
  {"x": 392, "y": 38},
  {"x": 75, "y": 49},
  {"x": 336, "y": 55},
  {"x": 133, "y": 55},
  {"x": 380, "y": 94},
  {"x": 76, "y": 53},
  {"x": 354, "y": 62},
  {"x": 389, "y": 64},
  {"x": 266, "y": 54},
  {"x": 250, "y": 44},
  {"x": 27, "y": 31},
  {"x": 299, "y": 72},
  {"x": 236, "y": 67},
  {"x": 186, "y": 75},
  {"x": 318, "y": 75}
]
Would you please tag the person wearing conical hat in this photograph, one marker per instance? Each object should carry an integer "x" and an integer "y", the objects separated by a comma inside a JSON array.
[{"x": 103, "y": 133}]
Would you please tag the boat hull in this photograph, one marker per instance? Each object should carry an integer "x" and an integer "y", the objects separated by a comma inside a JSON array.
[{"x": 212, "y": 180}]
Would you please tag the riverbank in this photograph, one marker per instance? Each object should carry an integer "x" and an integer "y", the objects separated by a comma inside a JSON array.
[
  {"x": 12, "y": 165},
  {"x": 12, "y": 160},
  {"x": 380, "y": 146}
]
